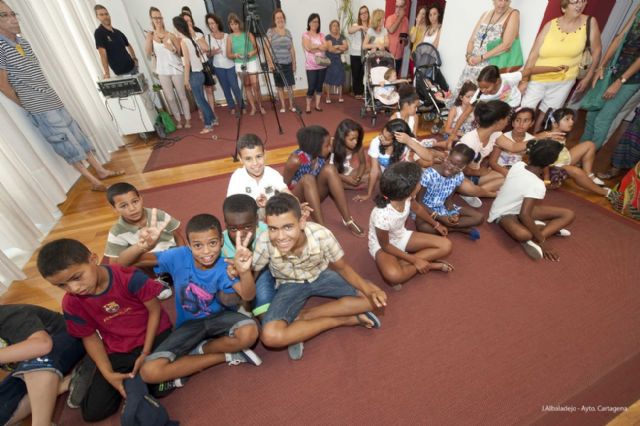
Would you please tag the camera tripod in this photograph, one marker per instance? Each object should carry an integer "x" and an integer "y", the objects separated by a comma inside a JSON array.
[{"x": 252, "y": 24}]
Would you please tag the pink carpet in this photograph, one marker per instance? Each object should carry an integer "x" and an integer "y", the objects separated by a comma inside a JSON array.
[
  {"x": 493, "y": 342},
  {"x": 195, "y": 148}
]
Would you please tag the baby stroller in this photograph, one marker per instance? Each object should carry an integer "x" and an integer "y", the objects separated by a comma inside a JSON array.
[
  {"x": 429, "y": 81},
  {"x": 375, "y": 65}
]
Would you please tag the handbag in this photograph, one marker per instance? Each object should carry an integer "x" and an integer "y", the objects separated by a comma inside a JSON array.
[
  {"x": 322, "y": 60},
  {"x": 209, "y": 79},
  {"x": 164, "y": 124},
  {"x": 512, "y": 59},
  {"x": 587, "y": 59}
]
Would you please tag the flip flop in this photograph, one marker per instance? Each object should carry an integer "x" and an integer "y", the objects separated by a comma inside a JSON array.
[
  {"x": 445, "y": 266},
  {"x": 318, "y": 109},
  {"x": 370, "y": 316}
]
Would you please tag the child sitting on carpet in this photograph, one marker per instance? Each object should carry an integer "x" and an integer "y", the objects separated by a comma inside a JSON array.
[
  {"x": 439, "y": 183},
  {"x": 584, "y": 153},
  {"x": 37, "y": 351},
  {"x": 517, "y": 208},
  {"x": 306, "y": 260},
  {"x": 254, "y": 178},
  {"x": 114, "y": 310},
  {"x": 462, "y": 102},
  {"x": 395, "y": 143},
  {"x": 241, "y": 220},
  {"x": 501, "y": 160},
  {"x": 122, "y": 242},
  {"x": 399, "y": 253},
  {"x": 311, "y": 180},
  {"x": 205, "y": 334},
  {"x": 347, "y": 143},
  {"x": 409, "y": 102}
]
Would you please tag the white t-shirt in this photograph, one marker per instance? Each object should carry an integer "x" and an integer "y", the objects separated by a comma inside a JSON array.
[
  {"x": 519, "y": 184},
  {"x": 391, "y": 220},
  {"x": 383, "y": 159},
  {"x": 242, "y": 183},
  {"x": 355, "y": 43},
  {"x": 510, "y": 158},
  {"x": 472, "y": 140},
  {"x": 220, "y": 60},
  {"x": 508, "y": 91},
  {"x": 378, "y": 37}
]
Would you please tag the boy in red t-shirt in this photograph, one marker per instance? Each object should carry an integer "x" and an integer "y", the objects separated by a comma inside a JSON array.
[{"x": 114, "y": 310}]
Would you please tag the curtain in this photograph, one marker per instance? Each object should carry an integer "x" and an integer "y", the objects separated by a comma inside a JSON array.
[{"x": 33, "y": 179}]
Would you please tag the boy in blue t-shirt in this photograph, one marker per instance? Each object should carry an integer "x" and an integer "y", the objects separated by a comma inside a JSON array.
[
  {"x": 205, "y": 333},
  {"x": 241, "y": 218}
]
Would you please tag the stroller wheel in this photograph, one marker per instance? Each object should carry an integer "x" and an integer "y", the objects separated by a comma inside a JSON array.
[{"x": 363, "y": 111}]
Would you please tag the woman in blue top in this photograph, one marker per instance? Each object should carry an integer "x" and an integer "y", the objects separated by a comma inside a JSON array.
[{"x": 336, "y": 46}]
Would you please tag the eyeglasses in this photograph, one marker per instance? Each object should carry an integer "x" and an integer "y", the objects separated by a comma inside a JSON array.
[
  {"x": 577, "y": 1},
  {"x": 157, "y": 18},
  {"x": 8, "y": 15}
]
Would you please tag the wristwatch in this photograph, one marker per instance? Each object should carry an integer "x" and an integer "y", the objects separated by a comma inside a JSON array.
[{"x": 623, "y": 80}]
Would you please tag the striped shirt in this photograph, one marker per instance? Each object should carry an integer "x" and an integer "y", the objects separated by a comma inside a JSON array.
[
  {"x": 123, "y": 235},
  {"x": 25, "y": 76},
  {"x": 281, "y": 45},
  {"x": 321, "y": 248}
]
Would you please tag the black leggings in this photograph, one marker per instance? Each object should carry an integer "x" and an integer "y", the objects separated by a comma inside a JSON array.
[
  {"x": 357, "y": 74},
  {"x": 315, "y": 80}
]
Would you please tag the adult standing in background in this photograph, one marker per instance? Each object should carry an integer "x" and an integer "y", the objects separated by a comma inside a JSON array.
[
  {"x": 434, "y": 18},
  {"x": 165, "y": 48},
  {"x": 417, "y": 32},
  {"x": 336, "y": 46},
  {"x": 357, "y": 33},
  {"x": 198, "y": 37},
  {"x": 397, "y": 23},
  {"x": 620, "y": 64},
  {"x": 113, "y": 46},
  {"x": 224, "y": 67},
  {"x": 561, "y": 42},
  {"x": 23, "y": 82},
  {"x": 377, "y": 37},
  {"x": 284, "y": 58},
  {"x": 192, "y": 58},
  {"x": 314, "y": 46},
  {"x": 500, "y": 22}
]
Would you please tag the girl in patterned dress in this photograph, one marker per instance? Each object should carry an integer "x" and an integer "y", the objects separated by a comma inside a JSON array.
[
  {"x": 439, "y": 183},
  {"x": 399, "y": 253},
  {"x": 311, "y": 178}
]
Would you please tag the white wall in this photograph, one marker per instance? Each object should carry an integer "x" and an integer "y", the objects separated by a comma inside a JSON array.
[
  {"x": 125, "y": 15},
  {"x": 460, "y": 18}
]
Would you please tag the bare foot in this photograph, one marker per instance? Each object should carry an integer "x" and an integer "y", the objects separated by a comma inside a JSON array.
[{"x": 106, "y": 173}]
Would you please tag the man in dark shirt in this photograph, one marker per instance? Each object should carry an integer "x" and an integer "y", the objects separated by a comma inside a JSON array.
[{"x": 113, "y": 46}]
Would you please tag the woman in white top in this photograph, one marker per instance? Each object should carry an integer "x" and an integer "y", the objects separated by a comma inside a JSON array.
[
  {"x": 377, "y": 37},
  {"x": 192, "y": 58},
  {"x": 198, "y": 36},
  {"x": 224, "y": 67},
  {"x": 357, "y": 33},
  {"x": 165, "y": 47},
  {"x": 432, "y": 34}
]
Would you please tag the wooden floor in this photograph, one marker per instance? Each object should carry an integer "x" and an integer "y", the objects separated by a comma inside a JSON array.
[{"x": 87, "y": 216}]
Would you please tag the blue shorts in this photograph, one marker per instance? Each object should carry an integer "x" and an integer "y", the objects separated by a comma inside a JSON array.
[
  {"x": 290, "y": 298},
  {"x": 474, "y": 179},
  {"x": 64, "y": 134},
  {"x": 66, "y": 353},
  {"x": 190, "y": 333}
]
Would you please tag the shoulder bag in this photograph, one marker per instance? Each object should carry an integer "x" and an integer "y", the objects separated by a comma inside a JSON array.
[{"x": 512, "y": 59}]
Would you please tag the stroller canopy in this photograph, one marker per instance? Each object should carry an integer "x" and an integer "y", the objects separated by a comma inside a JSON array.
[
  {"x": 380, "y": 58},
  {"x": 426, "y": 55}
]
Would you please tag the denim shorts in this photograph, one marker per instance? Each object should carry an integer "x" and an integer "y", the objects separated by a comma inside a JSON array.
[
  {"x": 64, "y": 134},
  {"x": 290, "y": 298},
  {"x": 186, "y": 337},
  {"x": 474, "y": 179},
  {"x": 66, "y": 353}
]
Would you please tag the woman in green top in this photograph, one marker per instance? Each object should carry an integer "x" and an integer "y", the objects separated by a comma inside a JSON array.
[{"x": 241, "y": 47}]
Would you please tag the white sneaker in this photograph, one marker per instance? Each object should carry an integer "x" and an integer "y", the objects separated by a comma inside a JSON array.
[
  {"x": 595, "y": 179},
  {"x": 472, "y": 201},
  {"x": 532, "y": 249},
  {"x": 244, "y": 356},
  {"x": 167, "y": 292},
  {"x": 561, "y": 233}
]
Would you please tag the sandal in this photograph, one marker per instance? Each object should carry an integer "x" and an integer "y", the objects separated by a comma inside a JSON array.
[
  {"x": 340, "y": 100},
  {"x": 328, "y": 101},
  {"x": 293, "y": 109},
  {"x": 112, "y": 173},
  {"x": 375, "y": 321},
  {"x": 444, "y": 265},
  {"x": 318, "y": 109},
  {"x": 283, "y": 110},
  {"x": 353, "y": 227}
]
